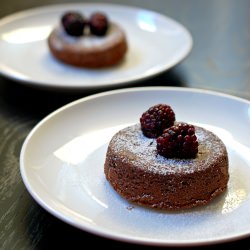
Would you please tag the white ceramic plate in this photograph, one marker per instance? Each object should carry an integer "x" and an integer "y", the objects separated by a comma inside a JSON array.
[
  {"x": 156, "y": 43},
  {"x": 62, "y": 167}
]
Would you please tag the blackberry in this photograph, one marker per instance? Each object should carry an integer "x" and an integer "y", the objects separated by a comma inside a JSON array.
[
  {"x": 156, "y": 119},
  {"x": 73, "y": 23},
  {"x": 178, "y": 141},
  {"x": 98, "y": 24}
]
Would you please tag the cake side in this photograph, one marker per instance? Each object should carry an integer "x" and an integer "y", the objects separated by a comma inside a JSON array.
[{"x": 139, "y": 174}]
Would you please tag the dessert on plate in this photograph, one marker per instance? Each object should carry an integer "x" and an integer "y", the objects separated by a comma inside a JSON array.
[
  {"x": 161, "y": 163},
  {"x": 96, "y": 42}
]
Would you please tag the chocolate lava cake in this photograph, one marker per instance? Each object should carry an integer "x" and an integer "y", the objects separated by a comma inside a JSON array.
[
  {"x": 141, "y": 175},
  {"x": 94, "y": 43}
]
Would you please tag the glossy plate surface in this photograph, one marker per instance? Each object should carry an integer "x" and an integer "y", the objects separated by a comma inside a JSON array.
[
  {"x": 156, "y": 43},
  {"x": 62, "y": 167}
]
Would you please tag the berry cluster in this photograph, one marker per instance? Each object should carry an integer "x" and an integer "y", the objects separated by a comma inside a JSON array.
[
  {"x": 156, "y": 119},
  {"x": 74, "y": 23},
  {"x": 178, "y": 141},
  {"x": 173, "y": 139}
]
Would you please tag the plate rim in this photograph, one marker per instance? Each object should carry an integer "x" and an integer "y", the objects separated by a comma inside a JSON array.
[
  {"x": 95, "y": 230},
  {"x": 38, "y": 83}
]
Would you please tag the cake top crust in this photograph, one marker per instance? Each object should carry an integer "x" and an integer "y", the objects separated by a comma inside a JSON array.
[
  {"x": 132, "y": 146},
  {"x": 88, "y": 42}
]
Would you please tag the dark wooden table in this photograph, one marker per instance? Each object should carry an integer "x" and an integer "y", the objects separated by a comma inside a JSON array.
[{"x": 220, "y": 61}]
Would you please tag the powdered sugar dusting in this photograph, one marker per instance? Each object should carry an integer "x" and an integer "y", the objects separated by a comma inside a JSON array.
[
  {"x": 87, "y": 41},
  {"x": 141, "y": 151}
]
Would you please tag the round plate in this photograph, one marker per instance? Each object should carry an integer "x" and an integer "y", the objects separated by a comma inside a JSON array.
[
  {"x": 156, "y": 43},
  {"x": 62, "y": 166}
]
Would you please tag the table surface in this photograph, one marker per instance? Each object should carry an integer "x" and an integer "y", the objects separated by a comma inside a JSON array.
[{"x": 219, "y": 61}]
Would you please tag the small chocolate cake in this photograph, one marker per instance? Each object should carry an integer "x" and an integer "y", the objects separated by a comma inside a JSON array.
[
  {"x": 89, "y": 51},
  {"x": 139, "y": 174}
]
